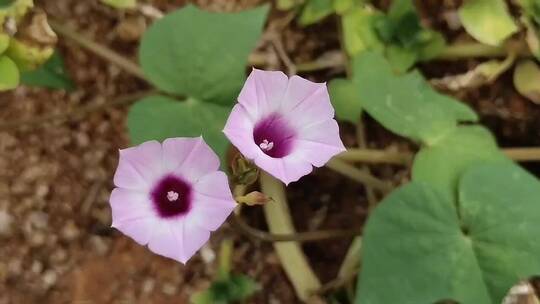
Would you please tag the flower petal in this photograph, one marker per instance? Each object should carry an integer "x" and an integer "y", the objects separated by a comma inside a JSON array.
[
  {"x": 190, "y": 158},
  {"x": 319, "y": 142},
  {"x": 140, "y": 230},
  {"x": 312, "y": 103},
  {"x": 239, "y": 130},
  {"x": 263, "y": 92},
  {"x": 178, "y": 240},
  {"x": 139, "y": 167},
  {"x": 128, "y": 205},
  {"x": 212, "y": 202},
  {"x": 288, "y": 169}
]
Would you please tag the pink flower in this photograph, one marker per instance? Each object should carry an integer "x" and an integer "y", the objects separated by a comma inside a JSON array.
[
  {"x": 170, "y": 196},
  {"x": 285, "y": 125}
]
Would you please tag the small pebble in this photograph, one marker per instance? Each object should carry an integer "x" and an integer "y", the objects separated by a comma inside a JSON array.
[{"x": 169, "y": 289}]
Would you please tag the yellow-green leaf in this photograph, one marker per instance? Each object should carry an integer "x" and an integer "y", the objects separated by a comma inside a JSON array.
[
  {"x": 9, "y": 74},
  {"x": 527, "y": 80},
  {"x": 488, "y": 21}
]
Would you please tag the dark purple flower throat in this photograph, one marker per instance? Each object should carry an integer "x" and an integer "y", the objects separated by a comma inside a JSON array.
[
  {"x": 171, "y": 197},
  {"x": 274, "y": 136}
]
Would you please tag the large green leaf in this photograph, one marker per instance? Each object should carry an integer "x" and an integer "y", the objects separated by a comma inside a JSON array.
[
  {"x": 417, "y": 250},
  {"x": 442, "y": 164},
  {"x": 159, "y": 117},
  {"x": 9, "y": 74},
  {"x": 488, "y": 21},
  {"x": 406, "y": 104},
  {"x": 51, "y": 74},
  {"x": 201, "y": 54},
  {"x": 345, "y": 99},
  {"x": 500, "y": 208}
]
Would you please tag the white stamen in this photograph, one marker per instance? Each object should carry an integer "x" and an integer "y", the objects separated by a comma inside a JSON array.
[
  {"x": 266, "y": 145},
  {"x": 172, "y": 196}
]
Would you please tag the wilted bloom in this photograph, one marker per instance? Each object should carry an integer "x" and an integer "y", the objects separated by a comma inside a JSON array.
[
  {"x": 170, "y": 196},
  {"x": 285, "y": 125}
]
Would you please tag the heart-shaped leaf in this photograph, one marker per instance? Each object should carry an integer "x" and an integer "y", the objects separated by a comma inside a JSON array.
[
  {"x": 201, "y": 54},
  {"x": 442, "y": 164},
  {"x": 345, "y": 99},
  {"x": 419, "y": 248},
  {"x": 159, "y": 117},
  {"x": 406, "y": 104}
]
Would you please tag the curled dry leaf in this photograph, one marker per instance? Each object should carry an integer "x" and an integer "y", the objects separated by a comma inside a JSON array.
[
  {"x": 34, "y": 42},
  {"x": 527, "y": 80},
  {"x": 521, "y": 293},
  {"x": 482, "y": 74}
]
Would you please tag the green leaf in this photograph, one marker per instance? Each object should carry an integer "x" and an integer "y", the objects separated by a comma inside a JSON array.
[
  {"x": 359, "y": 30},
  {"x": 406, "y": 104},
  {"x": 527, "y": 80},
  {"x": 401, "y": 59},
  {"x": 345, "y": 99},
  {"x": 342, "y": 6},
  {"x": 502, "y": 215},
  {"x": 9, "y": 74},
  {"x": 159, "y": 117},
  {"x": 316, "y": 10},
  {"x": 121, "y": 4},
  {"x": 416, "y": 251},
  {"x": 442, "y": 164},
  {"x": 51, "y": 74},
  {"x": 4, "y": 42},
  {"x": 488, "y": 21},
  {"x": 201, "y": 54},
  {"x": 431, "y": 45},
  {"x": 531, "y": 8},
  {"x": 5, "y": 3},
  {"x": 237, "y": 288}
]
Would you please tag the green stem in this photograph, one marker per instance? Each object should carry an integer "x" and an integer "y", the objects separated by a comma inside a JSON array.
[
  {"x": 478, "y": 50},
  {"x": 225, "y": 258},
  {"x": 358, "y": 175},
  {"x": 98, "y": 49},
  {"x": 293, "y": 260}
]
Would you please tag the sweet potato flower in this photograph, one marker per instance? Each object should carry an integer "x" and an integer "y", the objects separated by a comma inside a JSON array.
[
  {"x": 285, "y": 125},
  {"x": 170, "y": 196}
]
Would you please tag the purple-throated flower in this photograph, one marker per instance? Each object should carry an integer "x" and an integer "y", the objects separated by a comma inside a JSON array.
[
  {"x": 285, "y": 125},
  {"x": 170, "y": 196}
]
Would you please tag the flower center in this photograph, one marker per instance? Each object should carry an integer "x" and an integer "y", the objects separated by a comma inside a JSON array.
[
  {"x": 172, "y": 196},
  {"x": 266, "y": 146},
  {"x": 167, "y": 199},
  {"x": 274, "y": 136}
]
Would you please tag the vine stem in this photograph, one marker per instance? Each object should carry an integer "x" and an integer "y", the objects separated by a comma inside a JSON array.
[
  {"x": 358, "y": 175},
  {"x": 293, "y": 260},
  {"x": 520, "y": 154},
  {"x": 301, "y": 237},
  {"x": 98, "y": 49}
]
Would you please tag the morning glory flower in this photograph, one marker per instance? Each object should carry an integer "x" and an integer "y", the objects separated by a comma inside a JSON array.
[
  {"x": 285, "y": 125},
  {"x": 170, "y": 196}
]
